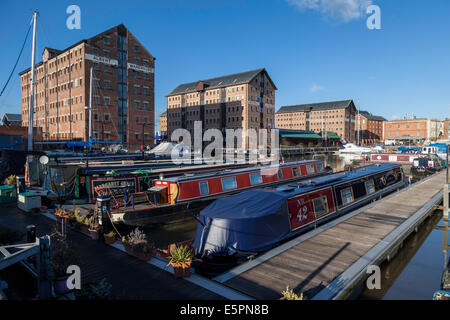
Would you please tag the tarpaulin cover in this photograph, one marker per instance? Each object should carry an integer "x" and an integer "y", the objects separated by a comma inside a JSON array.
[{"x": 251, "y": 221}]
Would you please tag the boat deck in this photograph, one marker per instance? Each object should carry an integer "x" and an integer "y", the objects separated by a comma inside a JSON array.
[{"x": 328, "y": 262}]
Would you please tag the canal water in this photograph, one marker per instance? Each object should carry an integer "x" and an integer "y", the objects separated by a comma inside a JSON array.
[{"x": 413, "y": 274}]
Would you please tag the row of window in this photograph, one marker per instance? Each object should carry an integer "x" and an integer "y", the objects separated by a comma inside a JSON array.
[
  {"x": 320, "y": 204},
  {"x": 229, "y": 183}
]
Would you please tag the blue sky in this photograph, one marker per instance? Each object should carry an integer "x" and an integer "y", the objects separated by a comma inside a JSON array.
[{"x": 314, "y": 50}]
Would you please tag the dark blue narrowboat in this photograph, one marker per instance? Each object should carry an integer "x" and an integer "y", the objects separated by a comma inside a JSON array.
[
  {"x": 426, "y": 165},
  {"x": 255, "y": 221}
]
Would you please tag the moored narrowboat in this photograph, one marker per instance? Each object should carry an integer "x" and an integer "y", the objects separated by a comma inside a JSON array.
[
  {"x": 426, "y": 165},
  {"x": 257, "y": 220},
  {"x": 172, "y": 198}
]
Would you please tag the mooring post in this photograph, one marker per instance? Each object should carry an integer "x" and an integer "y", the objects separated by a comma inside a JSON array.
[
  {"x": 31, "y": 233},
  {"x": 44, "y": 269},
  {"x": 103, "y": 212}
]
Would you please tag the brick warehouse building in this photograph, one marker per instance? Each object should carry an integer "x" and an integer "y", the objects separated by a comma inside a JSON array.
[
  {"x": 333, "y": 116},
  {"x": 371, "y": 128},
  {"x": 123, "y": 90},
  {"x": 420, "y": 129},
  {"x": 237, "y": 101}
]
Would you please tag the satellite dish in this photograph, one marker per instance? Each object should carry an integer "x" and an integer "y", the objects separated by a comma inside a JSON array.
[{"x": 43, "y": 159}]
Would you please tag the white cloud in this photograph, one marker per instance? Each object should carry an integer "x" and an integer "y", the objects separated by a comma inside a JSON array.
[
  {"x": 315, "y": 88},
  {"x": 341, "y": 10}
]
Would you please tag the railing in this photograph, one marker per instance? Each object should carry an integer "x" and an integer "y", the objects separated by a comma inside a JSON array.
[
  {"x": 287, "y": 149},
  {"x": 39, "y": 247}
]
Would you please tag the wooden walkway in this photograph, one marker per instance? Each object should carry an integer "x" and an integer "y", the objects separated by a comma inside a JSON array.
[
  {"x": 331, "y": 261},
  {"x": 130, "y": 277}
]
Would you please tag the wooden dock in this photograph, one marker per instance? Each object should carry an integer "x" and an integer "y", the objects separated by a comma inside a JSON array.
[{"x": 330, "y": 262}]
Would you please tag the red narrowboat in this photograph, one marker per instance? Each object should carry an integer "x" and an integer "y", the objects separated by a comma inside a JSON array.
[{"x": 173, "y": 198}]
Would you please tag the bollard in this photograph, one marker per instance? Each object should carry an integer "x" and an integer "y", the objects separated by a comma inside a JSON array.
[
  {"x": 31, "y": 233},
  {"x": 103, "y": 211}
]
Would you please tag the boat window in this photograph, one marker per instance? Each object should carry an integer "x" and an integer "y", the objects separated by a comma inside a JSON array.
[
  {"x": 310, "y": 169},
  {"x": 204, "y": 187},
  {"x": 319, "y": 167},
  {"x": 370, "y": 188},
  {"x": 229, "y": 183},
  {"x": 320, "y": 206},
  {"x": 255, "y": 178},
  {"x": 296, "y": 172},
  {"x": 280, "y": 175},
  {"x": 347, "y": 196}
]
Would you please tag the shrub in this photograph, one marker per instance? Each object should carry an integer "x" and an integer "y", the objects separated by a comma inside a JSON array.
[
  {"x": 138, "y": 241},
  {"x": 289, "y": 294}
]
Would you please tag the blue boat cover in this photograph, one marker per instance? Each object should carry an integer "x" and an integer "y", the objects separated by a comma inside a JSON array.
[{"x": 251, "y": 221}]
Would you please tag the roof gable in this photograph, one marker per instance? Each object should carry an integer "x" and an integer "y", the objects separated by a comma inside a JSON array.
[{"x": 219, "y": 82}]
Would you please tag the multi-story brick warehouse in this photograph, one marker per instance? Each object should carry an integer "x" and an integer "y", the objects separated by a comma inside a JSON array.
[
  {"x": 446, "y": 135},
  {"x": 420, "y": 129},
  {"x": 163, "y": 123},
  {"x": 370, "y": 130},
  {"x": 123, "y": 90},
  {"x": 333, "y": 116},
  {"x": 243, "y": 100}
]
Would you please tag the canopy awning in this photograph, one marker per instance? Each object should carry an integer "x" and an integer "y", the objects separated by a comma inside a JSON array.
[{"x": 300, "y": 135}]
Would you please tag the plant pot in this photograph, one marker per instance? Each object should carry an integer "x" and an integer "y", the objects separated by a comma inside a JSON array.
[
  {"x": 110, "y": 240},
  {"x": 94, "y": 234},
  {"x": 128, "y": 248},
  {"x": 60, "y": 286},
  {"x": 83, "y": 228},
  {"x": 143, "y": 256},
  {"x": 180, "y": 272},
  {"x": 140, "y": 255}
]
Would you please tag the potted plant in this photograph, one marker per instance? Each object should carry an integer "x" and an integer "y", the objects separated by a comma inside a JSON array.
[
  {"x": 110, "y": 237},
  {"x": 289, "y": 294},
  {"x": 61, "y": 215},
  {"x": 137, "y": 244},
  {"x": 63, "y": 254},
  {"x": 99, "y": 290},
  {"x": 180, "y": 259},
  {"x": 83, "y": 222},
  {"x": 94, "y": 228}
]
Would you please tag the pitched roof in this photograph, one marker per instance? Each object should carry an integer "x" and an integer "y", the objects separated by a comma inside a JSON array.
[
  {"x": 55, "y": 52},
  {"x": 12, "y": 117},
  {"x": 370, "y": 116},
  {"x": 164, "y": 114},
  {"x": 316, "y": 106},
  {"x": 223, "y": 81}
]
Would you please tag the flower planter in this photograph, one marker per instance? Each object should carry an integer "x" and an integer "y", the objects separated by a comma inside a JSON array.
[
  {"x": 83, "y": 228},
  {"x": 140, "y": 255},
  {"x": 180, "y": 272},
  {"x": 60, "y": 286},
  {"x": 110, "y": 240},
  {"x": 94, "y": 234}
]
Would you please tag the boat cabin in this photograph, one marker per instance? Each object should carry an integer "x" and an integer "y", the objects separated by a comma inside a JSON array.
[{"x": 193, "y": 187}]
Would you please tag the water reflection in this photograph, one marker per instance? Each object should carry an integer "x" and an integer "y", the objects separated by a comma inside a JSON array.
[
  {"x": 443, "y": 293},
  {"x": 415, "y": 272}
]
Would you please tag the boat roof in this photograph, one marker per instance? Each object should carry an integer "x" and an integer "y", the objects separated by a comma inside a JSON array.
[
  {"x": 205, "y": 175},
  {"x": 343, "y": 176}
]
